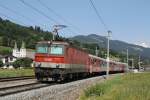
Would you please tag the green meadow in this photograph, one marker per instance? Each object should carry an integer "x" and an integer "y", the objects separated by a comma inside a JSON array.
[
  {"x": 125, "y": 87},
  {"x": 4, "y": 73}
]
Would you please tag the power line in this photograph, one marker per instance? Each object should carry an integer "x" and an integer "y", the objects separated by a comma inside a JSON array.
[
  {"x": 40, "y": 12},
  {"x": 108, "y": 31},
  {"x": 98, "y": 15},
  {"x": 58, "y": 15},
  {"x": 13, "y": 11},
  {"x": 11, "y": 18},
  {"x": 17, "y": 13}
]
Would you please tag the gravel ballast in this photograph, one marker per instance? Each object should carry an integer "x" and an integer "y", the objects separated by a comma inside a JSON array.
[{"x": 67, "y": 91}]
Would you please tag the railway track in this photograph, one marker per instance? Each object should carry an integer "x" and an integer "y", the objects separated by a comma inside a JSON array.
[
  {"x": 16, "y": 78},
  {"x": 21, "y": 88},
  {"x": 8, "y": 90}
]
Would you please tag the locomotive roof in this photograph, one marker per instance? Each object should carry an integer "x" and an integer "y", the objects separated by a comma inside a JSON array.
[
  {"x": 54, "y": 42},
  {"x": 63, "y": 43}
]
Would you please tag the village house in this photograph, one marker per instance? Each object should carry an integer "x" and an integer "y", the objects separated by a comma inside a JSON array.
[{"x": 16, "y": 53}]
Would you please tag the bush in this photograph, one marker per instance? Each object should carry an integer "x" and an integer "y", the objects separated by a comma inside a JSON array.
[
  {"x": 1, "y": 63},
  {"x": 5, "y": 50},
  {"x": 22, "y": 62}
]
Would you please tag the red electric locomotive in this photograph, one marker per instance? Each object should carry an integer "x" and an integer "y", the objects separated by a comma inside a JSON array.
[{"x": 60, "y": 61}]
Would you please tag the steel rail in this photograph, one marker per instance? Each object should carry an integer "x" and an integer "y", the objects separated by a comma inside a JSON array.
[
  {"x": 16, "y": 78},
  {"x": 4, "y": 91}
]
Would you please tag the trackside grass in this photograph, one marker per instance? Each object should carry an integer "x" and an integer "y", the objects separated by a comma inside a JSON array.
[
  {"x": 125, "y": 87},
  {"x": 4, "y": 73}
]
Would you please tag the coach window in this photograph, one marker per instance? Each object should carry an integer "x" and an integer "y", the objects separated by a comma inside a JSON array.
[
  {"x": 95, "y": 61},
  {"x": 100, "y": 63},
  {"x": 92, "y": 61},
  {"x": 104, "y": 64}
]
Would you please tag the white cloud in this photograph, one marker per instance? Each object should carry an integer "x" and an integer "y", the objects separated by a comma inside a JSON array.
[{"x": 143, "y": 44}]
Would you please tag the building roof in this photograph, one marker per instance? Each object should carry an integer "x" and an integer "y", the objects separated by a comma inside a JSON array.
[
  {"x": 23, "y": 45},
  {"x": 54, "y": 42}
]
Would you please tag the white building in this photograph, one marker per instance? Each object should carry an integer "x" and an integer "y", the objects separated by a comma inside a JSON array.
[
  {"x": 19, "y": 53},
  {"x": 22, "y": 52}
]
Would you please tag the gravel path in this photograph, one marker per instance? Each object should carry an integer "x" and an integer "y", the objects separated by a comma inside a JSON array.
[{"x": 67, "y": 91}]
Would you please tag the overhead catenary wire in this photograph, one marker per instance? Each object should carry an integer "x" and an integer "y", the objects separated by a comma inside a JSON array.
[
  {"x": 60, "y": 17},
  {"x": 17, "y": 13},
  {"x": 40, "y": 12},
  {"x": 98, "y": 15},
  {"x": 108, "y": 32},
  {"x": 11, "y": 18}
]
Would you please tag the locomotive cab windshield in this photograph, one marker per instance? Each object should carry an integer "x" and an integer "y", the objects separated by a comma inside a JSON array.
[
  {"x": 57, "y": 49},
  {"x": 52, "y": 49}
]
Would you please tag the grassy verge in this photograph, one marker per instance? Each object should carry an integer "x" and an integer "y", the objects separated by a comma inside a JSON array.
[
  {"x": 15, "y": 72},
  {"x": 127, "y": 87},
  {"x": 5, "y": 50}
]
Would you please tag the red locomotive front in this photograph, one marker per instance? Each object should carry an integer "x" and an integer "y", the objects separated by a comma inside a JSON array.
[
  {"x": 49, "y": 57},
  {"x": 59, "y": 61}
]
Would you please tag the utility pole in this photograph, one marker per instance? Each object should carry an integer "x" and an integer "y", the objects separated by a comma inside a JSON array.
[
  {"x": 132, "y": 63},
  {"x": 127, "y": 60},
  {"x": 96, "y": 51},
  {"x": 132, "y": 60},
  {"x": 108, "y": 36},
  {"x": 139, "y": 63}
]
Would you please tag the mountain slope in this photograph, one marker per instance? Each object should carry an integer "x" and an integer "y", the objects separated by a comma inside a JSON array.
[
  {"x": 116, "y": 45},
  {"x": 11, "y": 33}
]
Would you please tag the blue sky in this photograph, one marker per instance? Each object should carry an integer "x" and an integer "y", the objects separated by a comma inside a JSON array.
[{"x": 129, "y": 20}]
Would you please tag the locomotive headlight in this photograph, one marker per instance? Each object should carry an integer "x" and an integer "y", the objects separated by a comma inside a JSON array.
[
  {"x": 57, "y": 65},
  {"x": 37, "y": 64}
]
